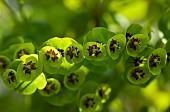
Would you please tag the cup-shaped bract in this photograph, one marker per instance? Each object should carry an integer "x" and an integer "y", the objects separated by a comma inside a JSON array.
[
  {"x": 157, "y": 60},
  {"x": 50, "y": 56},
  {"x": 74, "y": 53},
  {"x": 24, "y": 49},
  {"x": 94, "y": 51},
  {"x": 61, "y": 44},
  {"x": 52, "y": 87},
  {"x": 74, "y": 81},
  {"x": 89, "y": 103},
  {"x": 139, "y": 75},
  {"x": 4, "y": 63},
  {"x": 9, "y": 78},
  {"x": 29, "y": 68},
  {"x": 133, "y": 29},
  {"x": 116, "y": 45},
  {"x": 103, "y": 91},
  {"x": 136, "y": 44}
]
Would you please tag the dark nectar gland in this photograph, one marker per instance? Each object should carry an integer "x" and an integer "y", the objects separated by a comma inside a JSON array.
[
  {"x": 113, "y": 45},
  {"x": 73, "y": 51},
  {"x": 51, "y": 55},
  {"x": 49, "y": 87},
  {"x": 128, "y": 36},
  {"x": 133, "y": 43},
  {"x": 28, "y": 67},
  {"x": 137, "y": 73},
  {"x": 73, "y": 78},
  {"x": 94, "y": 50},
  {"x": 3, "y": 63},
  {"x": 11, "y": 77},
  {"x": 137, "y": 61},
  {"x": 154, "y": 59},
  {"x": 21, "y": 53},
  {"x": 89, "y": 102}
]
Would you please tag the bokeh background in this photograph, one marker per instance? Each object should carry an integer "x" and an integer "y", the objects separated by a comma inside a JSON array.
[{"x": 39, "y": 20}]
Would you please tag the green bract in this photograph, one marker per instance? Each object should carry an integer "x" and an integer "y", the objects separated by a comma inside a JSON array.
[
  {"x": 94, "y": 51},
  {"x": 157, "y": 60},
  {"x": 24, "y": 49},
  {"x": 29, "y": 68},
  {"x": 29, "y": 87},
  {"x": 136, "y": 44},
  {"x": 116, "y": 45},
  {"x": 52, "y": 87},
  {"x": 89, "y": 103},
  {"x": 10, "y": 79},
  {"x": 61, "y": 44},
  {"x": 74, "y": 81},
  {"x": 50, "y": 56},
  {"x": 74, "y": 53},
  {"x": 139, "y": 75},
  {"x": 4, "y": 63},
  {"x": 133, "y": 29}
]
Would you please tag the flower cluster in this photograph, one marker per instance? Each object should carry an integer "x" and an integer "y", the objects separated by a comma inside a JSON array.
[{"x": 63, "y": 70}]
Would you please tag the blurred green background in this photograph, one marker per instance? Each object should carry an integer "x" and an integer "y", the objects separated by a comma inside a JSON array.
[{"x": 39, "y": 20}]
